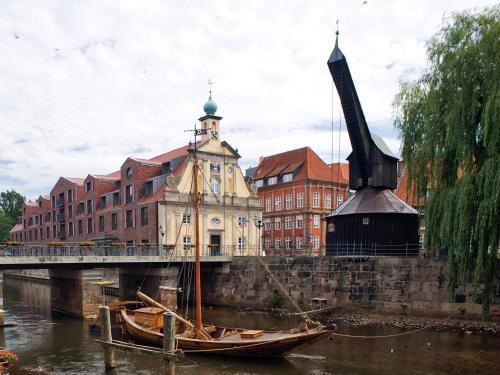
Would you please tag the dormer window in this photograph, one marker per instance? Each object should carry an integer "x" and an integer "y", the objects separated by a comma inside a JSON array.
[
  {"x": 272, "y": 180},
  {"x": 259, "y": 183},
  {"x": 287, "y": 177}
]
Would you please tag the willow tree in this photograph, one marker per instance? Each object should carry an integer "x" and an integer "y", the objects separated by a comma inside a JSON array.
[{"x": 449, "y": 121}]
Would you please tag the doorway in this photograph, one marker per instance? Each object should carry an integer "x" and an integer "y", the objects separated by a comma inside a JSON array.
[{"x": 214, "y": 244}]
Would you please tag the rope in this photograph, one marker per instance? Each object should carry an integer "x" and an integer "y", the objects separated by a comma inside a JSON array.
[{"x": 396, "y": 334}]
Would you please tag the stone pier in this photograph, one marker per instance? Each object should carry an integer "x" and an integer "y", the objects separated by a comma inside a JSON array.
[
  {"x": 72, "y": 292},
  {"x": 149, "y": 282}
]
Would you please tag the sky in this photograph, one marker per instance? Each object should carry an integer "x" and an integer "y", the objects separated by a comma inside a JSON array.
[{"x": 86, "y": 84}]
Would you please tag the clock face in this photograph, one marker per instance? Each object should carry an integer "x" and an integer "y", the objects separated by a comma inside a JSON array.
[
  {"x": 229, "y": 170},
  {"x": 215, "y": 221}
]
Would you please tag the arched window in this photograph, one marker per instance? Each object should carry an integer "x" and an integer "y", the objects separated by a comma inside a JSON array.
[
  {"x": 129, "y": 173},
  {"x": 214, "y": 184}
]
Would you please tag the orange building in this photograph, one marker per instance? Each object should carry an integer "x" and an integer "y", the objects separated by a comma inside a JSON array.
[{"x": 296, "y": 190}]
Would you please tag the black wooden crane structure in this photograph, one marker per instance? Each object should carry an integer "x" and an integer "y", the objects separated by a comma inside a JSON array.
[{"x": 373, "y": 220}]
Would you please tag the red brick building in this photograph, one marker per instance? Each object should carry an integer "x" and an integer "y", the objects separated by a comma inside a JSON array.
[{"x": 296, "y": 190}]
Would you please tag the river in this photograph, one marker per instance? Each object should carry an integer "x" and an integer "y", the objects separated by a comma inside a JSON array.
[{"x": 50, "y": 343}]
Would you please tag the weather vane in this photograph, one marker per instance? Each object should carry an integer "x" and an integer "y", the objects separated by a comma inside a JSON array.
[
  {"x": 210, "y": 83},
  {"x": 337, "y": 32}
]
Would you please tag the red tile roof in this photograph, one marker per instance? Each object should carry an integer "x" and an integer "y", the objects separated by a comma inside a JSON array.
[
  {"x": 344, "y": 171},
  {"x": 105, "y": 177},
  {"x": 78, "y": 181},
  {"x": 171, "y": 154},
  {"x": 402, "y": 191},
  {"x": 309, "y": 164}
]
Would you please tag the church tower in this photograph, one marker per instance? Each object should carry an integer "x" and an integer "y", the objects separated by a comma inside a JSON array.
[{"x": 210, "y": 123}]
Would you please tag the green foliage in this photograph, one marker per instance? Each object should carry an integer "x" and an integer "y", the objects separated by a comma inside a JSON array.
[
  {"x": 449, "y": 121},
  {"x": 11, "y": 203},
  {"x": 276, "y": 299},
  {"x": 6, "y": 224}
]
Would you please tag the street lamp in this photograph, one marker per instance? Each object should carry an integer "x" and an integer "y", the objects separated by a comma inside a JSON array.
[{"x": 258, "y": 224}]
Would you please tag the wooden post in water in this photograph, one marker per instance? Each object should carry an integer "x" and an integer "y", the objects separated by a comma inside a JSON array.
[
  {"x": 2, "y": 317},
  {"x": 169, "y": 342},
  {"x": 109, "y": 355}
]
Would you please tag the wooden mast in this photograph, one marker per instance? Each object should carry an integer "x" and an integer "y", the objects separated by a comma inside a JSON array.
[{"x": 199, "y": 324}]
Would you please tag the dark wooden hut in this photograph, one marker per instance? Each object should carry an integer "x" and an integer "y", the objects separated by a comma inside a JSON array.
[{"x": 374, "y": 220}]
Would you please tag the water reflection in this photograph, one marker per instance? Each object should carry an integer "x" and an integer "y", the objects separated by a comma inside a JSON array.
[{"x": 50, "y": 343}]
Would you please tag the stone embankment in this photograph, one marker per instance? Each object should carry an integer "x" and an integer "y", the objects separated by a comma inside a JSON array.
[{"x": 410, "y": 323}]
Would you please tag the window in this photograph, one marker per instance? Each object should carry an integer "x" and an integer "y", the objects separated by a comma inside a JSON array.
[
  {"x": 339, "y": 199},
  {"x": 277, "y": 242},
  {"x": 47, "y": 232},
  {"x": 101, "y": 223},
  {"x": 48, "y": 217},
  {"x": 54, "y": 231},
  {"x": 316, "y": 221},
  {"x": 316, "y": 199},
  {"x": 241, "y": 243},
  {"x": 267, "y": 224},
  {"x": 267, "y": 243},
  {"x": 259, "y": 183},
  {"x": 366, "y": 220},
  {"x": 71, "y": 229},
  {"x": 89, "y": 206},
  {"x": 53, "y": 201},
  {"x": 102, "y": 202},
  {"x": 288, "y": 201},
  {"x": 272, "y": 180},
  {"x": 41, "y": 233},
  {"x": 70, "y": 212},
  {"x": 70, "y": 196},
  {"x": 214, "y": 184},
  {"x": 288, "y": 222},
  {"x": 298, "y": 242},
  {"x": 88, "y": 186},
  {"x": 114, "y": 221},
  {"x": 81, "y": 208},
  {"x": 90, "y": 225},
  {"x": 129, "y": 174},
  {"x": 269, "y": 206},
  {"x": 277, "y": 223},
  {"x": 300, "y": 199},
  {"x": 129, "y": 219},
  {"x": 80, "y": 226},
  {"x": 116, "y": 198},
  {"x": 186, "y": 243},
  {"x": 186, "y": 219},
  {"x": 277, "y": 203},
  {"x": 242, "y": 221},
  {"x": 315, "y": 242},
  {"x": 288, "y": 243},
  {"x": 328, "y": 200},
  {"x": 129, "y": 194},
  {"x": 287, "y": 177},
  {"x": 144, "y": 216},
  {"x": 298, "y": 221}
]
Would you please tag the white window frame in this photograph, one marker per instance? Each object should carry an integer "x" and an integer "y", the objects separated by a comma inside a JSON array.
[
  {"x": 315, "y": 242},
  {"x": 259, "y": 183},
  {"x": 272, "y": 180},
  {"x": 340, "y": 199},
  {"x": 277, "y": 223},
  {"x": 269, "y": 205},
  {"x": 288, "y": 243},
  {"x": 299, "y": 221},
  {"x": 316, "y": 221},
  {"x": 328, "y": 200},
  {"x": 288, "y": 177},
  {"x": 277, "y": 203},
  {"x": 214, "y": 184},
  {"x": 277, "y": 242},
  {"x": 315, "y": 199},
  {"x": 288, "y": 201},
  {"x": 186, "y": 219},
  {"x": 267, "y": 243},
  {"x": 300, "y": 200},
  {"x": 267, "y": 224},
  {"x": 288, "y": 222},
  {"x": 241, "y": 244},
  {"x": 298, "y": 242}
]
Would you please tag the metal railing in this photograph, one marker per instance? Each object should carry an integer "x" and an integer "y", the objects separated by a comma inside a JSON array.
[{"x": 364, "y": 249}]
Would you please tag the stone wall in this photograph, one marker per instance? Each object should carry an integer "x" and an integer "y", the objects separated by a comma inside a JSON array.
[{"x": 384, "y": 284}]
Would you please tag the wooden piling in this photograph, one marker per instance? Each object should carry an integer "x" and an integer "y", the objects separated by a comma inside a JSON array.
[
  {"x": 109, "y": 355},
  {"x": 2, "y": 318},
  {"x": 169, "y": 342}
]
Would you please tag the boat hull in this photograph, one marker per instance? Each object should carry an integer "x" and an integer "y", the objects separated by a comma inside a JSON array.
[{"x": 272, "y": 344}]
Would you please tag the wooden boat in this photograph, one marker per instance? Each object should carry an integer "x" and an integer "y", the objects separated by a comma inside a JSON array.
[
  {"x": 224, "y": 341},
  {"x": 146, "y": 324}
]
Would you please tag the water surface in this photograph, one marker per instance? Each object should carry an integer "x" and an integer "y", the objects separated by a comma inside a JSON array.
[{"x": 50, "y": 343}]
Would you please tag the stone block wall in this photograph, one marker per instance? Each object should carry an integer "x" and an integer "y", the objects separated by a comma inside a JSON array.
[{"x": 382, "y": 284}]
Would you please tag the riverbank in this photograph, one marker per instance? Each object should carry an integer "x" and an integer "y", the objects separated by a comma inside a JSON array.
[{"x": 409, "y": 323}]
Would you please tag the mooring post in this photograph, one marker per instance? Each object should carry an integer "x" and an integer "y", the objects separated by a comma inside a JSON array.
[
  {"x": 109, "y": 354},
  {"x": 169, "y": 342},
  {"x": 2, "y": 318}
]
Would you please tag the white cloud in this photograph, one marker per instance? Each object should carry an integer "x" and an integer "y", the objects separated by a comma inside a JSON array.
[{"x": 84, "y": 84}]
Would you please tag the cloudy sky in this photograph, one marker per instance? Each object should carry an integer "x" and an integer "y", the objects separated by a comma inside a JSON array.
[{"x": 84, "y": 84}]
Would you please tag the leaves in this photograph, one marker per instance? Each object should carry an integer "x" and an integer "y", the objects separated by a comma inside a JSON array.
[{"x": 449, "y": 122}]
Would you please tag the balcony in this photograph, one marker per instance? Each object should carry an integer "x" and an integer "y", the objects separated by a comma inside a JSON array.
[
  {"x": 60, "y": 217},
  {"x": 59, "y": 202}
]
